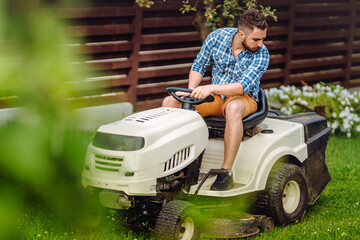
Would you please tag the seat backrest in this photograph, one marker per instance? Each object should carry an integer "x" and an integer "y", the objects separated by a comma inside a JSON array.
[{"x": 249, "y": 121}]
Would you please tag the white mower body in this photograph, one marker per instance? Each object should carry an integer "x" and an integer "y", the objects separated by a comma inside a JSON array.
[{"x": 172, "y": 139}]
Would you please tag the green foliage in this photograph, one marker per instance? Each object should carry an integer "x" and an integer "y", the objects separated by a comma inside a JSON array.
[
  {"x": 145, "y": 3},
  {"x": 341, "y": 108},
  {"x": 40, "y": 156},
  {"x": 219, "y": 13}
]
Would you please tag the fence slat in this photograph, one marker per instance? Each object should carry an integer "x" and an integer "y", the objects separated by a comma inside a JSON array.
[
  {"x": 329, "y": 48},
  {"x": 167, "y": 22},
  {"x": 170, "y": 38},
  {"x": 320, "y": 35},
  {"x": 322, "y": 8},
  {"x": 102, "y": 82},
  {"x": 169, "y": 54},
  {"x": 110, "y": 46},
  {"x": 318, "y": 62},
  {"x": 161, "y": 71},
  {"x": 99, "y": 12},
  {"x": 323, "y": 21},
  {"x": 317, "y": 76},
  {"x": 112, "y": 29},
  {"x": 106, "y": 98},
  {"x": 160, "y": 87}
]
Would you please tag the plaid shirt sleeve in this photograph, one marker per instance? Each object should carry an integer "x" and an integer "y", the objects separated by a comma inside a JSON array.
[
  {"x": 251, "y": 76},
  {"x": 204, "y": 57}
]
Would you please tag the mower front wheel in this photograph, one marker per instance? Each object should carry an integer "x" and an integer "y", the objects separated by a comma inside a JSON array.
[{"x": 178, "y": 220}]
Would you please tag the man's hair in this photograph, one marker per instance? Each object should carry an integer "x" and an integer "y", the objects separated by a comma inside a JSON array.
[{"x": 250, "y": 19}]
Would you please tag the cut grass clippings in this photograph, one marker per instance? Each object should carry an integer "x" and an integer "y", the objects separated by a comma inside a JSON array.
[{"x": 335, "y": 215}]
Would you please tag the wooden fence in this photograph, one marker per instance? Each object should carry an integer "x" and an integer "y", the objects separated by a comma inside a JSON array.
[{"x": 135, "y": 53}]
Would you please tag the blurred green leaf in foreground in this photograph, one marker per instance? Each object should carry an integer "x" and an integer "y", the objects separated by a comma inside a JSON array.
[{"x": 39, "y": 155}]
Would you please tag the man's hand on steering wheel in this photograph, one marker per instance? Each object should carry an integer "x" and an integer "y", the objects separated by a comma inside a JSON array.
[
  {"x": 202, "y": 92},
  {"x": 180, "y": 95}
]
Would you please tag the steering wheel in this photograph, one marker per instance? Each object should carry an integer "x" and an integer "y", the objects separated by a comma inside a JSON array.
[{"x": 187, "y": 100}]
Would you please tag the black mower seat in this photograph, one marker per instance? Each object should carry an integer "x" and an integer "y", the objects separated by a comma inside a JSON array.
[{"x": 249, "y": 121}]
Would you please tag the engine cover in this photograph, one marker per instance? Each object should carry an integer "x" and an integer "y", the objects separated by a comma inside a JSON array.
[{"x": 172, "y": 139}]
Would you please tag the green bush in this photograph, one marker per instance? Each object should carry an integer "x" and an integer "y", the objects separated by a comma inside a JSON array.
[
  {"x": 40, "y": 155},
  {"x": 340, "y": 107}
]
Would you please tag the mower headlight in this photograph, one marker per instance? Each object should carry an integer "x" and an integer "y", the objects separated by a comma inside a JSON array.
[{"x": 118, "y": 142}]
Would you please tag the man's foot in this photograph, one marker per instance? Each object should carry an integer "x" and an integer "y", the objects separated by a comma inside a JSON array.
[{"x": 223, "y": 182}]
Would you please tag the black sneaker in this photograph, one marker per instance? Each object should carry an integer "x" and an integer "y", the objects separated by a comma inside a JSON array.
[{"x": 223, "y": 182}]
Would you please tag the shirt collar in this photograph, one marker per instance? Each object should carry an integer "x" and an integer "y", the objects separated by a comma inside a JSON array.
[{"x": 230, "y": 36}]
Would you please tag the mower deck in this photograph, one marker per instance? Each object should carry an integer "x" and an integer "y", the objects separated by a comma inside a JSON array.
[{"x": 233, "y": 227}]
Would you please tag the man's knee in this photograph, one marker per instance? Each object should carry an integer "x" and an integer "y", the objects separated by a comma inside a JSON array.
[
  {"x": 235, "y": 108},
  {"x": 170, "y": 102}
]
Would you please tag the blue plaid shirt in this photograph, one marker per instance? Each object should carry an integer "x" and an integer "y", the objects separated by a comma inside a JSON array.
[{"x": 247, "y": 68}]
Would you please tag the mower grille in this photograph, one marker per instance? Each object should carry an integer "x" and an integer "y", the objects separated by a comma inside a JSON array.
[
  {"x": 178, "y": 158},
  {"x": 105, "y": 163},
  {"x": 149, "y": 117}
]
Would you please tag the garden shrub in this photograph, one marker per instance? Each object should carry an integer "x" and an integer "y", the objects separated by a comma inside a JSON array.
[{"x": 340, "y": 107}]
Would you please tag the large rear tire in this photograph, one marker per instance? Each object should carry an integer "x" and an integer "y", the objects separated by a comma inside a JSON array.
[
  {"x": 178, "y": 220},
  {"x": 286, "y": 193}
]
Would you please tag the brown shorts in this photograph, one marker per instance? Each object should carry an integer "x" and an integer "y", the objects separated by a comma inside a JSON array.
[{"x": 217, "y": 107}]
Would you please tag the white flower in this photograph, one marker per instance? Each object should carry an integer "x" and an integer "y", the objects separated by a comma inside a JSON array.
[
  {"x": 297, "y": 92},
  {"x": 358, "y": 128},
  {"x": 330, "y": 94},
  {"x": 348, "y": 134},
  {"x": 343, "y": 114},
  {"x": 346, "y": 125},
  {"x": 284, "y": 97},
  {"x": 303, "y": 102},
  {"x": 334, "y": 115}
]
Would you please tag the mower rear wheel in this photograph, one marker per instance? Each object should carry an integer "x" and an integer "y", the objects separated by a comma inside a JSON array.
[
  {"x": 177, "y": 221},
  {"x": 287, "y": 194}
]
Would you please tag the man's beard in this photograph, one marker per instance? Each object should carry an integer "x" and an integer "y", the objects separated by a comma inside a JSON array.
[{"x": 248, "y": 48}]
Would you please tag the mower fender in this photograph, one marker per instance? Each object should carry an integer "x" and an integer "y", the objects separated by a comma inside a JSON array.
[{"x": 272, "y": 159}]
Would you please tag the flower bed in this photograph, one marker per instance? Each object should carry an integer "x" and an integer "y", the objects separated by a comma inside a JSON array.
[{"x": 340, "y": 107}]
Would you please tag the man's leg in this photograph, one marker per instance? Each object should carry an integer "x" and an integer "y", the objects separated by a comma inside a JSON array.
[
  {"x": 233, "y": 135},
  {"x": 233, "y": 131},
  {"x": 171, "y": 102}
]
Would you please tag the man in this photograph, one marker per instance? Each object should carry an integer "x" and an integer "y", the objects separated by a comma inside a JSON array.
[{"x": 239, "y": 59}]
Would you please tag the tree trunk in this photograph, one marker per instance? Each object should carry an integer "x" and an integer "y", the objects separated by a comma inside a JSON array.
[{"x": 200, "y": 24}]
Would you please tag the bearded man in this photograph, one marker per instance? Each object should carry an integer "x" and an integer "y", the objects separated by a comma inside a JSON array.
[{"x": 239, "y": 58}]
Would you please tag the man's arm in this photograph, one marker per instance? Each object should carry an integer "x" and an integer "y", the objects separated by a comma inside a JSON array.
[
  {"x": 194, "y": 79},
  {"x": 201, "y": 63},
  {"x": 230, "y": 89}
]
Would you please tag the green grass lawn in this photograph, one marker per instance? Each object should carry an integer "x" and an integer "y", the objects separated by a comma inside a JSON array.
[{"x": 336, "y": 214}]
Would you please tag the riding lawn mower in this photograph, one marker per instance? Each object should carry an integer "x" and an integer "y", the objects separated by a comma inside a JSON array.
[{"x": 155, "y": 169}]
